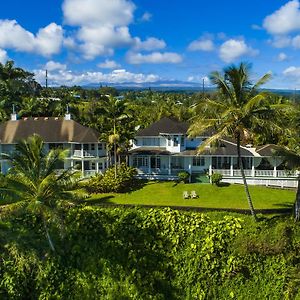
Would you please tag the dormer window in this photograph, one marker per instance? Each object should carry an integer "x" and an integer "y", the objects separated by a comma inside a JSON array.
[
  {"x": 176, "y": 140},
  {"x": 182, "y": 140}
]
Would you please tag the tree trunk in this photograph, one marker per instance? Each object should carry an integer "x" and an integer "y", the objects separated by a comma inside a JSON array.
[
  {"x": 244, "y": 178},
  {"x": 297, "y": 202},
  {"x": 48, "y": 236},
  {"x": 115, "y": 158}
]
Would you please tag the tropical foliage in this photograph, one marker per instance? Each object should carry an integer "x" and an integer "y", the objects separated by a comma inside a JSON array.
[
  {"x": 240, "y": 112},
  {"x": 150, "y": 254},
  {"x": 32, "y": 181}
]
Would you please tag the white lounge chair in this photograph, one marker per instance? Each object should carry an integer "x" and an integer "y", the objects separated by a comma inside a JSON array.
[
  {"x": 194, "y": 195},
  {"x": 186, "y": 195}
]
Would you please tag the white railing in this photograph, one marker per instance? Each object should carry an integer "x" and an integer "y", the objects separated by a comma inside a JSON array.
[
  {"x": 225, "y": 172},
  {"x": 263, "y": 173},
  {"x": 89, "y": 173},
  {"x": 78, "y": 153}
]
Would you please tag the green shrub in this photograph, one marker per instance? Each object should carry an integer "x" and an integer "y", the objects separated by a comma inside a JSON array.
[
  {"x": 108, "y": 183},
  {"x": 183, "y": 176},
  {"x": 216, "y": 178}
]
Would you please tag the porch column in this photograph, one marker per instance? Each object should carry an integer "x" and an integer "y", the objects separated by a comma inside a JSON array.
[
  {"x": 210, "y": 166},
  {"x": 81, "y": 150},
  {"x": 82, "y": 168},
  {"x": 253, "y": 168},
  {"x": 97, "y": 166},
  {"x": 169, "y": 165},
  {"x": 72, "y": 164},
  {"x": 231, "y": 166},
  {"x": 190, "y": 168},
  {"x": 275, "y": 171},
  {"x": 149, "y": 164}
]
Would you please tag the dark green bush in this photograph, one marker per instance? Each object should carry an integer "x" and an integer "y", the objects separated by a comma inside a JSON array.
[
  {"x": 108, "y": 183},
  {"x": 183, "y": 176},
  {"x": 216, "y": 178}
]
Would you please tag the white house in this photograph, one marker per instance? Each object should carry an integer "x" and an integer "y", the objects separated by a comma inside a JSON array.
[
  {"x": 163, "y": 149},
  {"x": 86, "y": 152}
]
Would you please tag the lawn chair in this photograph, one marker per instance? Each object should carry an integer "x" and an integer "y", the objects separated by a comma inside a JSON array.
[
  {"x": 194, "y": 195},
  {"x": 186, "y": 195}
]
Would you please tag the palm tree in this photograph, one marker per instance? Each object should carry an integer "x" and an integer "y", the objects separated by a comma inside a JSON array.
[
  {"x": 33, "y": 184},
  {"x": 239, "y": 112}
]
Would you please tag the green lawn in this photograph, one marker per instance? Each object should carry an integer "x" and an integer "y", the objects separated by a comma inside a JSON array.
[{"x": 170, "y": 194}]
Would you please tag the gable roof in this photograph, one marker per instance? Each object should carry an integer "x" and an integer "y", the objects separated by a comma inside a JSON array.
[
  {"x": 267, "y": 150},
  {"x": 225, "y": 148},
  {"x": 51, "y": 130},
  {"x": 164, "y": 125}
]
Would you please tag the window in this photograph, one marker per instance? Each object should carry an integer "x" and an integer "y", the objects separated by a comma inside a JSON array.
[
  {"x": 176, "y": 140},
  {"x": 93, "y": 166},
  {"x": 182, "y": 140},
  {"x": 169, "y": 141},
  {"x": 140, "y": 161},
  {"x": 100, "y": 146},
  {"x": 198, "y": 161},
  {"x": 92, "y": 147}
]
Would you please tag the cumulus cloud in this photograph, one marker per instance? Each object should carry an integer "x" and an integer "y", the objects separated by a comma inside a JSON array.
[
  {"x": 149, "y": 44},
  {"x": 201, "y": 45},
  {"x": 108, "y": 64},
  {"x": 281, "y": 41},
  {"x": 282, "y": 56},
  {"x": 146, "y": 17},
  {"x": 52, "y": 66},
  {"x": 153, "y": 58},
  {"x": 285, "y": 20},
  {"x": 233, "y": 49},
  {"x": 46, "y": 42},
  {"x": 69, "y": 78},
  {"x": 3, "y": 56},
  {"x": 103, "y": 25},
  {"x": 292, "y": 72}
]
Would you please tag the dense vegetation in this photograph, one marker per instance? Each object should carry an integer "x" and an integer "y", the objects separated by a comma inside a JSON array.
[{"x": 149, "y": 254}]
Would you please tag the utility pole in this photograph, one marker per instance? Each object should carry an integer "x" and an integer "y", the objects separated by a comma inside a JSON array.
[{"x": 46, "y": 79}]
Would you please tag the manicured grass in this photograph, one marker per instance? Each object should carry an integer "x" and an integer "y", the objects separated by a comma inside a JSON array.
[{"x": 170, "y": 194}]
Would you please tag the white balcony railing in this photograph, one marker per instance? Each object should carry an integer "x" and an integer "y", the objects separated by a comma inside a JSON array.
[{"x": 84, "y": 153}]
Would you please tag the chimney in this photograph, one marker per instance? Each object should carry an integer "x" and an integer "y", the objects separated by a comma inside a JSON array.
[
  {"x": 68, "y": 115},
  {"x": 14, "y": 116}
]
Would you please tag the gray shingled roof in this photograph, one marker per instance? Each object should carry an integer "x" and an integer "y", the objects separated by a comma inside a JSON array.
[
  {"x": 52, "y": 130},
  {"x": 267, "y": 150},
  {"x": 164, "y": 125},
  {"x": 225, "y": 148}
]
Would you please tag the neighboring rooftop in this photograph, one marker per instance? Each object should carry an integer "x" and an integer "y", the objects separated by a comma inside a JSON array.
[
  {"x": 164, "y": 125},
  {"x": 52, "y": 130},
  {"x": 267, "y": 150}
]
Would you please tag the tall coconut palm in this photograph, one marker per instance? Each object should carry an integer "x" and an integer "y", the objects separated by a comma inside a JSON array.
[
  {"x": 240, "y": 112},
  {"x": 33, "y": 183}
]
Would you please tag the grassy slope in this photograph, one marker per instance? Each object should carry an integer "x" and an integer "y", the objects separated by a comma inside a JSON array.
[{"x": 170, "y": 194}]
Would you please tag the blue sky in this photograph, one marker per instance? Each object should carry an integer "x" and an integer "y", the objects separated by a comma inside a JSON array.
[{"x": 151, "y": 42}]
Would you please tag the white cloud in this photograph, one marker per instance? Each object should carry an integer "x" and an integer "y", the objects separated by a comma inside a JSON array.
[
  {"x": 285, "y": 20},
  {"x": 101, "y": 12},
  {"x": 233, "y": 49},
  {"x": 69, "y": 78},
  {"x": 153, "y": 58},
  {"x": 108, "y": 64},
  {"x": 296, "y": 42},
  {"x": 103, "y": 25},
  {"x": 146, "y": 17},
  {"x": 282, "y": 56},
  {"x": 52, "y": 66},
  {"x": 47, "y": 41},
  {"x": 201, "y": 45},
  {"x": 149, "y": 44},
  {"x": 3, "y": 56},
  {"x": 281, "y": 41},
  {"x": 292, "y": 72}
]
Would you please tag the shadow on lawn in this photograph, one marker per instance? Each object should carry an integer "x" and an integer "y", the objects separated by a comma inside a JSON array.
[{"x": 99, "y": 200}]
